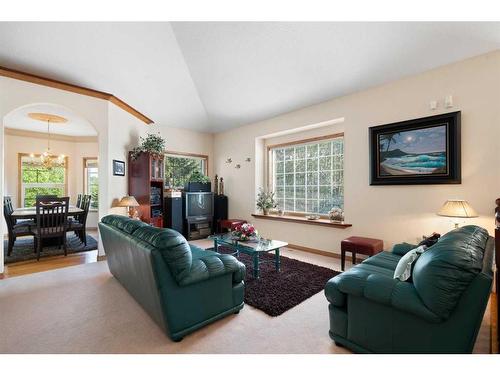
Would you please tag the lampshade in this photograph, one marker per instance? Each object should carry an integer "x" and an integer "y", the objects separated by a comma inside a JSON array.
[
  {"x": 128, "y": 201},
  {"x": 457, "y": 208}
]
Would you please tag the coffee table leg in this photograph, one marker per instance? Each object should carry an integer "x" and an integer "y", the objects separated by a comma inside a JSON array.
[
  {"x": 256, "y": 270},
  {"x": 277, "y": 259}
]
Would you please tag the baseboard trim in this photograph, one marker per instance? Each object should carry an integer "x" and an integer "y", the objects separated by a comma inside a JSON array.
[
  {"x": 101, "y": 257},
  {"x": 322, "y": 252},
  {"x": 318, "y": 251}
]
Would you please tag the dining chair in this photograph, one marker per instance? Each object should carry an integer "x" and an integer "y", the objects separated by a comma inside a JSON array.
[
  {"x": 14, "y": 229},
  {"x": 79, "y": 200},
  {"x": 46, "y": 197},
  {"x": 51, "y": 222},
  {"x": 79, "y": 224}
]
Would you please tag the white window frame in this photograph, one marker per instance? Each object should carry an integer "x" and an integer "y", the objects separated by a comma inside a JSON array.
[
  {"x": 271, "y": 182},
  {"x": 86, "y": 186}
]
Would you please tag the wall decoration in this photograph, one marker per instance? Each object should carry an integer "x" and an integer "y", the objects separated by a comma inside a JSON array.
[
  {"x": 238, "y": 165},
  {"x": 420, "y": 151},
  {"x": 118, "y": 168}
]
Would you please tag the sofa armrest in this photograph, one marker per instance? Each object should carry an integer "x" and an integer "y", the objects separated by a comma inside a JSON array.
[
  {"x": 213, "y": 266},
  {"x": 333, "y": 293},
  {"x": 381, "y": 289}
]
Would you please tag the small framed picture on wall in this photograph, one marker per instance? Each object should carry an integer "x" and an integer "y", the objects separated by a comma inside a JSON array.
[{"x": 118, "y": 168}]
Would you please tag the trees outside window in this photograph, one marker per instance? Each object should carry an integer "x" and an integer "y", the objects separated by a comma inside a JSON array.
[
  {"x": 39, "y": 180},
  {"x": 178, "y": 168},
  {"x": 309, "y": 177}
]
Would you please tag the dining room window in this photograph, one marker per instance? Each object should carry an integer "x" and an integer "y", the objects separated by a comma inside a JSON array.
[
  {"x": 91, "y": 181},
  {"x": 308, "y": 176},
  {"x": 37, "y": 179}
]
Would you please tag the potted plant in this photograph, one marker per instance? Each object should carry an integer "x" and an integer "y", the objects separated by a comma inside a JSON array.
[
  {"x": 266, "y": 201},
  {"x": 152, "y": 143},
  {"x": 336, "y": 214},
  {"x": 198, "y": 182}
]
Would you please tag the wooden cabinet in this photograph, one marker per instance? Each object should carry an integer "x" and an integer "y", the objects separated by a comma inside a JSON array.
[{"x": 146, "y": 184}]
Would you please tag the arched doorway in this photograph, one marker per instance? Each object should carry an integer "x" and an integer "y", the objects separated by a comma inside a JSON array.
[{"x": 76, "y": 142}]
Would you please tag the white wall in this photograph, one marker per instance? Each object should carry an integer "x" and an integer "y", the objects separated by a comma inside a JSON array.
[{"x": 392, "y": 213}]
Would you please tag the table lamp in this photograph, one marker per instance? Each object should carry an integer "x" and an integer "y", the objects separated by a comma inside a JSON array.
[
  {"x": 457, "y": 208},
  {"x": 131, "y": 203}
]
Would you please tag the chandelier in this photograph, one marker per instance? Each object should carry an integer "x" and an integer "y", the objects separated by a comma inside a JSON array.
[{"x": 47, "y": 159}]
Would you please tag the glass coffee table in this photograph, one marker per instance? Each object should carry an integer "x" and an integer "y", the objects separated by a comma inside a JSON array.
[{"x": 254, "y": 248}]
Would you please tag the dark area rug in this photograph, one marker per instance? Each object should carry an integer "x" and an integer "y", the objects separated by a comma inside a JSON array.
[
  {"x": 23, "y": 248},
  {"x": 276, "y": 292}
]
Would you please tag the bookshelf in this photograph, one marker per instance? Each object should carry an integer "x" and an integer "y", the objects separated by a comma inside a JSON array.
[{"x": 146, "y": 184}]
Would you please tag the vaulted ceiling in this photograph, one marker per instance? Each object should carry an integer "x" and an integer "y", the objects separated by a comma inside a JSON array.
[{"x": 212, "y": 76}]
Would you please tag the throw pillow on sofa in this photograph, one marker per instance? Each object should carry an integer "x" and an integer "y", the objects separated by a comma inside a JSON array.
[{"x": 405, "y": 264}]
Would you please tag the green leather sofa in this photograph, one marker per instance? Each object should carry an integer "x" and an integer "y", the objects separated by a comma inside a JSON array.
[
  {"x": 439, "y": 311},
  {"x": 182, "y": 287}
]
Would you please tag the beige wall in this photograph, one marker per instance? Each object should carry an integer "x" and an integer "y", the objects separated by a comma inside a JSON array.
[
  {"x": 393, "y": 213},
  {"x": 188, "y": 141},
  {"x": 125, "y": 135}
]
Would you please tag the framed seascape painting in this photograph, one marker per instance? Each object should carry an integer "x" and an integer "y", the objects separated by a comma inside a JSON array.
[{"x": 420, "y": 151}]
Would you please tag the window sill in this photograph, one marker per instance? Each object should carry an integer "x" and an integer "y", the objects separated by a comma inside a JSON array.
[{"x": 303, "y": 220}]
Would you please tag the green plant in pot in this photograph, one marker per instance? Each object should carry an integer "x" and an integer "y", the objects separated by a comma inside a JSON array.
[
  {"x": 198, "y": 182},
  {"x": 266, "y": 201},
  {"x": 152, "y": 143}
]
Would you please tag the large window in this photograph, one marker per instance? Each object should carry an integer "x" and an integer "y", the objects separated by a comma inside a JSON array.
[
  {"x": 308, "y": 177},
  {"x": 178, "y": 168},
  {"x": 91, "y": 180},
  {"x": 35, "y": 179}
]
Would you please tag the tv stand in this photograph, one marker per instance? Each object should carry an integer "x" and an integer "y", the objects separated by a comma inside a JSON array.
[{"x": 198, "y": 227}]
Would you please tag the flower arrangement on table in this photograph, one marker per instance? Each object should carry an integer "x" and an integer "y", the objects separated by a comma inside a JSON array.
[{"x": 244, "y": 232}]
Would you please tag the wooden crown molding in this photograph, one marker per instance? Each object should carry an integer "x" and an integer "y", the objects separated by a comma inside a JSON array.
[{"x": 43, "y": 81}]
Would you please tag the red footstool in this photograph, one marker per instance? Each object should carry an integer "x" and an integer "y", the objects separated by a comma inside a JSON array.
[
  {"x": 361, "y": 245},
  {"x": 229, "y": 224}
]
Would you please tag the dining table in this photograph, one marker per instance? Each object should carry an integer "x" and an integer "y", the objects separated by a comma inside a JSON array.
[{"x": 30, "y": 212}]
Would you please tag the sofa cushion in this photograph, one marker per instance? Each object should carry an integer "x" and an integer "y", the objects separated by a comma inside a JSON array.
[
  {"x": 123, "y": 223},
  {"x": 405, "y": 264},
  {"x": 173, "y": 247},
  {"x": 384, "y": 259},
  {"x": 446, "y": 269}
]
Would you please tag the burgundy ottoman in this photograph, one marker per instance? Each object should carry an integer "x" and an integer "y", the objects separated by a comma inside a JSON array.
[
  {"x": 361, "y": 245},
  {"x": 229, "y": 224}
]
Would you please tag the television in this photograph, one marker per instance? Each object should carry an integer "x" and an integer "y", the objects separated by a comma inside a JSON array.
[{"x": 198, "y": 204}]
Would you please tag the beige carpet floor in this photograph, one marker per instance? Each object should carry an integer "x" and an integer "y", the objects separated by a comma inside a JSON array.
[{"x": 83, "y": 309}]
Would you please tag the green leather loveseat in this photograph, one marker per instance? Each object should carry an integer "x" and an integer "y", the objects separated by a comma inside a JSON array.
[
  {"x": 182, "y": 287},
  {"x": 439, "y": 311}
]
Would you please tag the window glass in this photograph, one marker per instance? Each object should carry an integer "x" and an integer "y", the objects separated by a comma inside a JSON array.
[{"x": 309, "y": 178}]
